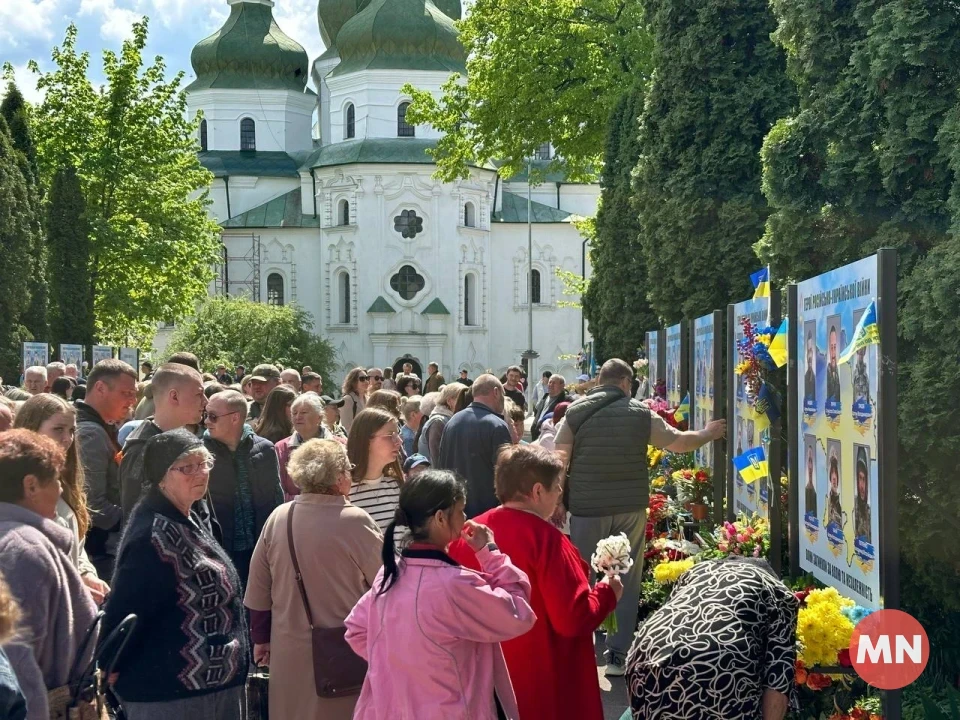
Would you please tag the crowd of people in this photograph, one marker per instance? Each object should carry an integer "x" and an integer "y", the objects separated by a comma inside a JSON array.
[{"x": 432, "y": 540}]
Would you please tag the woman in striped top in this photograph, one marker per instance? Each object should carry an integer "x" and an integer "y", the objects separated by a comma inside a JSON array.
[{"x": 374, "y": 447}]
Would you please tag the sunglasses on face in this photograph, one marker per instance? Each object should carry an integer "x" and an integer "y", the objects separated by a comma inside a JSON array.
[
  {"x": 378, "y": 378},
  {"x": 213, "y": 417},
  {"x": 363, "y": 378}
]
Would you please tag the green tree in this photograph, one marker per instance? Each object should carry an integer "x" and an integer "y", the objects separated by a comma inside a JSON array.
[
  {"x": 718, "y": 88},
  {"x": 68, "y": 235},
  {"x": 872, "y": 159},
  {"x": 548, "y": 71},
  {"x": 14, "y": 110},
  {"x": 615, "y": 303},
  {"x": 237, "y": 330},
  {"x": 152, "y": 244},
  {"x": 15, "y": 245}
]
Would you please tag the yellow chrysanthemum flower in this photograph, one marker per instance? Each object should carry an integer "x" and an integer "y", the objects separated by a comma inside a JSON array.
[
  {"x": 822, "y": 629},
  {"x": 670, "y": 572}
]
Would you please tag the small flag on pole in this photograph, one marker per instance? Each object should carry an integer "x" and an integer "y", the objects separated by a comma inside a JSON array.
[
  {"x": 778, "y": 346},
  {"x": 682, "y": 412},
  {"x": 866, "y": 333},
  {"x": 752, "y": 465},
  {"x": 761, "y": 283}
]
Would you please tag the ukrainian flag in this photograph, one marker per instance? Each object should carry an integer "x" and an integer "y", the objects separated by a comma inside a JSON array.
[
  {"x": 682, "y": 412},
  {"x": 778, "y": 346},
  {"x": 867, "y": 333},
  {"x": 761, "y": 283},
  {"x": 752, "y": 465}
]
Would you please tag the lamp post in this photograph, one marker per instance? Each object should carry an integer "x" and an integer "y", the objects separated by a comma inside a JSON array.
[{"x": 530, "y": 354}]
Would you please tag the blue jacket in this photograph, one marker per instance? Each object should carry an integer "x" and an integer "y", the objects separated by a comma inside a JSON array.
[{"x": 469, "y": 447}]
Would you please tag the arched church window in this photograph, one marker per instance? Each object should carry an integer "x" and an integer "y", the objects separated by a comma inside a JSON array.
[
  {"x": 350, "y": 122},
  {"x": 470, "y": 299},
  {"x": 343, "y": 214},
  {"x": 203, "y": 135},
  {"x": 343, "y": 298},
  {"x": 407, "y": 282},
  {"x": 404, "y": 129},
  {"x": 469, "y": 215},
  {"x": 535, "y": 289},
  {"x": 274, "y": 289},
  {"x": 248, "y": 134}
]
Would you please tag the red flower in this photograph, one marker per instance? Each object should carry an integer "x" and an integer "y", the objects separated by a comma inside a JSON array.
[
  {"x": 818, "y": 681},
  {"x": 859, "y": 714},
  {"x": 648, "y": 533},
  {"x": 800, "y": 673},
  {"x": 843, "y": 657}
]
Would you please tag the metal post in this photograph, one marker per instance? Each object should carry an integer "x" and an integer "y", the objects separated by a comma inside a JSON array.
[
  {"x": 731, "y": 390},
  {"x": 887, "y": 449},
  {"x": 583, "y": 274},
  {"x": 719, "y": 411},
  {"x": 795, "y": 517},
  {"x": 530, "y": 269},
  {"x": 774, "y": 462}
]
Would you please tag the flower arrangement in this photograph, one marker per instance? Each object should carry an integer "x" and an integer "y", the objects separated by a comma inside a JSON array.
[
  {"x": 748, "y": 537},
  {"x": 823, "y": 629},
  {"x": 661, "y": 507},
  {"x": 670, "y": 571},
  {"x": 612, "y": 557},
  {"x": 694, "y": 484},
  {"x": 654, "y": 456},
  {"x": 640, "y": 366}
]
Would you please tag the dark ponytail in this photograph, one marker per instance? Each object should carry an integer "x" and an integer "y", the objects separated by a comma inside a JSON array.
[{"x": 420, "y": 499}]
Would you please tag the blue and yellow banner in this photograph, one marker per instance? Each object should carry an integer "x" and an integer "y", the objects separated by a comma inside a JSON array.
[
  {"x": 866, "y": 333},
  {"x": 761, "y": 283},
  {"x": 682, "y": 413},
  {"x": 778, "y": 346}
]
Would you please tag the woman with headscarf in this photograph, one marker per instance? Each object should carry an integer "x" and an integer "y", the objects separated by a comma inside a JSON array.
[
  {"x": 338, "y": 551},
  {"x": 189, "y": 654},
  {"x": 722, "y": 647}
]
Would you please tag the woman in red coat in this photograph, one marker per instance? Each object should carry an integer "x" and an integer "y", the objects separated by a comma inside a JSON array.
[{"x": 553, "y": 667}]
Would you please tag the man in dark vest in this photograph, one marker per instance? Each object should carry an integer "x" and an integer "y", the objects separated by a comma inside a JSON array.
[{"x": 604, "y": 437}]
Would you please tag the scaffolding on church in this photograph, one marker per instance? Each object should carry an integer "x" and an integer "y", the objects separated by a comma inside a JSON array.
[{"x": 248, "y": 264}]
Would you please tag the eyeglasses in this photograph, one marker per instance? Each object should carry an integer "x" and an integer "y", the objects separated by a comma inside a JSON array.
[
  {"x": 394, "y": 437},
  {"x": 194, "y": 468},
  {"x": 213, "y": 417},
  {"x": 378, "y": 378},
  {"x": 363, "y": 378}
]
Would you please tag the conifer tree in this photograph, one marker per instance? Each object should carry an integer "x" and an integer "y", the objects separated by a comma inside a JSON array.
[
  {"x": 68, "y": 234},
  {"x": 718, "y": 88},
  {"x": 15, "y": 246}
]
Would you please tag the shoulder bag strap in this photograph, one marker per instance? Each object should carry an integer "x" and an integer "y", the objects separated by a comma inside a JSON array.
[{"x": 296, "y": 565}]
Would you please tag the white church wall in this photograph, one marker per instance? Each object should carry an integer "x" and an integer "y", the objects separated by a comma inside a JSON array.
[{"x": 283, "y": 118}]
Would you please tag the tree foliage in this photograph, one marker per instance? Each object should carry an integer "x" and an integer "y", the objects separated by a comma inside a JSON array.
[
  {"x": 615, "y": 303},
  {"x": 15, "y": 245},
  {"x": 237, "y": 330},
  {"x": 718, "y": 88},
  {"x": 549, "y": 71},
  {"x": 872, "y": 159},
  {"x": 14, "y": 110},
  {"x": 152, "y": 244},
  {"x": 68, "y": 235}
]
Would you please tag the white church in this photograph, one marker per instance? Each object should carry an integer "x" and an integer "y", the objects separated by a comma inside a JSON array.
[{"x": 326, "y": 197}]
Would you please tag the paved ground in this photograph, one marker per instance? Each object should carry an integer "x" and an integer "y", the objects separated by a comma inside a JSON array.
[{"x": 613, "y": 690}]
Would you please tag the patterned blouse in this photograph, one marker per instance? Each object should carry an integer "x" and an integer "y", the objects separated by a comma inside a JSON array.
[{"x": 726, "y": 634}]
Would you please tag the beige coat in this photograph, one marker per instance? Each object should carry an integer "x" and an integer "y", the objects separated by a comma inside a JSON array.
[{"x": 338, "y": 548}]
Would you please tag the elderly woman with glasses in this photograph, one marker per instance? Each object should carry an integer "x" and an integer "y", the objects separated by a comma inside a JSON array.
[
  {"x": 338, "y": 550},
  {"x": 354, "y": 391},
  {"x": 190, "y": 652},
  {"x": 374, "y": 448}
]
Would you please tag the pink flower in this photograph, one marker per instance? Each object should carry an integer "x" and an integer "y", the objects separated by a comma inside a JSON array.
[
  {"x": 722, "y": 547},
  {"x": 741, "y": 538},
  {"x": 756, "y": 551},
  {"x": 736, "y": 551},
  {"x": 724, "y": 533},
  {"x": 728, "y": 526}
]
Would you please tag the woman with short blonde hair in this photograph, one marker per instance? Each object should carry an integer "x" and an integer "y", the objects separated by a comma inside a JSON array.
[
  {"x": 307, "y": 415},
  {"x": 338, "y": 550}
]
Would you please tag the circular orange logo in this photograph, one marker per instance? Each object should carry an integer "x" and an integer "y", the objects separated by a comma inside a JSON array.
[{"x": 889, "y": 649}]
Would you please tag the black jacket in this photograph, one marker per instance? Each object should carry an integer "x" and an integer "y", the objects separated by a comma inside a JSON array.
[
  {"x": 550, "y": 404},
  {"x": 264, "y": 478},
  {"x": 191, "y": 637},
  {"x": 131, "y": 467}
]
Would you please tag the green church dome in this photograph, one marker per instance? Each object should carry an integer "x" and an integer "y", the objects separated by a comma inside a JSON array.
[
  {"x": 401, "y": 35},
  {"x": 333, "y": 14},
  {"x": 250, "y": 51}
]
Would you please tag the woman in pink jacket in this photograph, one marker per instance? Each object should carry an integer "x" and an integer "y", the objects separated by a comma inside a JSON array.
[{"x": 431, "y": 629}]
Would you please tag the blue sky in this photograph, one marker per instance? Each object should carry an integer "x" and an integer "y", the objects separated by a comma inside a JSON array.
[{"x": 30, "y": 28}]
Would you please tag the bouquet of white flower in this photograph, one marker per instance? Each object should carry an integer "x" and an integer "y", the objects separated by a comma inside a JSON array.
[{"x": 612, "y": 557}]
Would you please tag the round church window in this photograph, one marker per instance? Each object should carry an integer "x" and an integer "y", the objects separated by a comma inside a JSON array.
[
  {"x": 408, "y": 223},
  {"x": 407, "y": 282}
]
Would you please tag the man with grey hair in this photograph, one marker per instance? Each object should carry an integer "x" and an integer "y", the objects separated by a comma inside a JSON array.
[
  {"x": 245, "y": 480},
  {"x": 604, "y": 437},
  {"x": 556, "y": 394},
  {"x": 291, "y": 377},
  {"x": 376, "y": 380},
  {"x": 55, "y": 370},
  {"x": 35, "y": 380},
  {"x": 434, "y": 379},
  {"x": 472, "y": 440}
]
